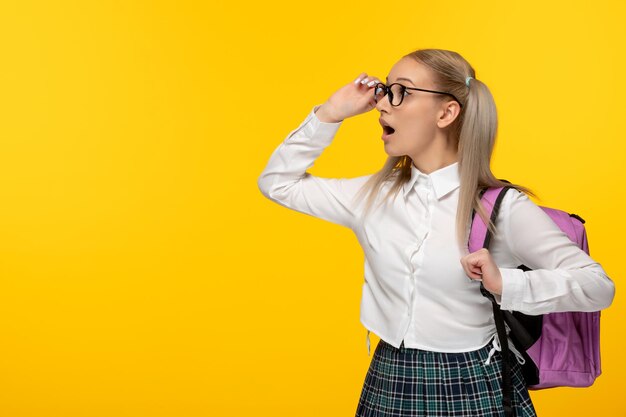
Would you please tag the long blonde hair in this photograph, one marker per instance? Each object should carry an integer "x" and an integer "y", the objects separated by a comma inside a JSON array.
[{"x": 474, "y": 131}]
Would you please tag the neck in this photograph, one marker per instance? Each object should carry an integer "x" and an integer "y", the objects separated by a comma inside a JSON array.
[{"x": 441, "y": 154}]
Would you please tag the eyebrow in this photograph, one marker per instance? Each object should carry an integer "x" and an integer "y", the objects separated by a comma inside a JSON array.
[{"x": 400, "y": 78}]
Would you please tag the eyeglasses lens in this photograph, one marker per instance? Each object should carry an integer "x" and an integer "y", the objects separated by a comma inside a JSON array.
[{"x": 395, "y": 92}]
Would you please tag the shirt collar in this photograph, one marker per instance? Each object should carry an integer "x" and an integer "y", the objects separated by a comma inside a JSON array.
[{"x": 443, "y": 180}]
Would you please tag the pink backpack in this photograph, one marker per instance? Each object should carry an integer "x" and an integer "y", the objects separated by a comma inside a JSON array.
[{"x": 560, "y": 349}]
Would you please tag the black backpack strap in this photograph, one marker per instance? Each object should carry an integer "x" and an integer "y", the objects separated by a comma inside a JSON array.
[{"x": 507, "y": 388}]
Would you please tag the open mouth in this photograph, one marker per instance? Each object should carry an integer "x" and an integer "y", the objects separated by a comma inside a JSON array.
[{"x": 388, "y": 130}]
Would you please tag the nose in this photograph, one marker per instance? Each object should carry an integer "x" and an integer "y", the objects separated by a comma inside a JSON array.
[{"x": 383, "y": 104}]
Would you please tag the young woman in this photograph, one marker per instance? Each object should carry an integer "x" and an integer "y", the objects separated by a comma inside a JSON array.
[{"x": 438, "y": 353}]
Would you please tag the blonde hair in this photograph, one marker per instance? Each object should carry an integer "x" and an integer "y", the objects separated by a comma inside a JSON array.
[{"x": 474, "y": 131}]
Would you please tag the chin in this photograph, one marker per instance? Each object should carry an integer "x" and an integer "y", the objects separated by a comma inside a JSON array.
[{"x": 389, "y": 149}]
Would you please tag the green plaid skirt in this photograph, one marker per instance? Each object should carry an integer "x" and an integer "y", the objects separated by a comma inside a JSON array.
[{"x": 409, "y": 382}]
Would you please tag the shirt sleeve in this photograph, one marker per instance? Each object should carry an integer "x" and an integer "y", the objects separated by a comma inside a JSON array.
[
  {"x": 285, "y": 180},
  {"x": 563, "y": 276}
]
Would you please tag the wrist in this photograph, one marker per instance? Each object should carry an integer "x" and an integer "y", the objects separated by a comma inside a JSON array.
[{"x": 325, "y": 116}]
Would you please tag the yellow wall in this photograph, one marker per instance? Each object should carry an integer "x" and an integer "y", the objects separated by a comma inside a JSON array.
[{"x": 142, "y": 273}]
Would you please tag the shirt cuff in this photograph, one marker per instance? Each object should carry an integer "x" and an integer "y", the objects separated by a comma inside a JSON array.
[
  {"x": 513, "y": 280},
  {"x": 322, "y": 129}
]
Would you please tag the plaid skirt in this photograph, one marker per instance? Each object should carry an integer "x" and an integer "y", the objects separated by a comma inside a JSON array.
[{"x": 408, "y": 382}]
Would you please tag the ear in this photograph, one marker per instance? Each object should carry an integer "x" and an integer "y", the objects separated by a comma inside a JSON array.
[{"x": 448, "y": 113}]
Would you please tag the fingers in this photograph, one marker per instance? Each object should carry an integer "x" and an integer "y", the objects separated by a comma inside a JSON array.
[
  {"x": 480, "y": 266},
  {"x": 472, "y": 273},
  {"x": 364, "y": 80},
  {"x": 360, "y": 77},
  {"x": 472, "y": 264}
]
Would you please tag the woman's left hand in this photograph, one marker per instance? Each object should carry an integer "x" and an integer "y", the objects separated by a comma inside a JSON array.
[{"x": 480, "y": 266}]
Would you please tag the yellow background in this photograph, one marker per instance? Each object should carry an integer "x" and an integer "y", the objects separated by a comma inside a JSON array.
[{"x": 142, "y": 272}]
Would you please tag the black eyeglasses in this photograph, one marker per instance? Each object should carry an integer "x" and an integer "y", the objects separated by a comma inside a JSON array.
[{"x": 396, "y": 92}]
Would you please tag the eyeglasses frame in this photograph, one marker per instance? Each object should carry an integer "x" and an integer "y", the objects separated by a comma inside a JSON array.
[{"x": 387, "y": 89}]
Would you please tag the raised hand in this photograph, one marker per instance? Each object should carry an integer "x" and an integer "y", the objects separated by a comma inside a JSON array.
[{"x": 350, "y": 100}]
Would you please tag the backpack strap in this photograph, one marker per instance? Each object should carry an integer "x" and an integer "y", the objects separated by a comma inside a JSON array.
[
  {"x": 480, "y": 237},
  {"x": 491, "y": 199}
]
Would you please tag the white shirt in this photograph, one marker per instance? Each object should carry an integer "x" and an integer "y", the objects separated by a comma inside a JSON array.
[{"x": 415, "y": 287}]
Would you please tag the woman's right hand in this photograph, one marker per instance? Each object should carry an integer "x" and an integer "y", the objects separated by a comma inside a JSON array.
[{"x": 350, "y": 100}]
